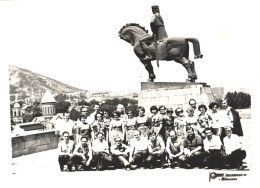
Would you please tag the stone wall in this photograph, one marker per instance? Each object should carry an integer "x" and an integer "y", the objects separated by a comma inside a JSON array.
[
  {"x": 33, "y": 143},
  {"x": 173, "y": 94},
  {"x": 244, "y": 113}
]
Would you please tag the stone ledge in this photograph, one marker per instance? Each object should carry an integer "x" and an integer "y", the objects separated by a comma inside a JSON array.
[{"x": 172, "y": 85}]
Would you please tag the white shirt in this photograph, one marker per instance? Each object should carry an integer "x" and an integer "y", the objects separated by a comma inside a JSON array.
[
  {"x": 65, "y": 126},
  {"x": 99, "y": 146},
  {"x": 216, "y": 120},
  {"x": 91, "y": 118},
  {"x": 65, "y": 148},
  {"x": 226, "y": 119},
  {"x": 214, "y": 143},
  {"x": 142, "y": 144},
  {"x": 231, "y": 144}
]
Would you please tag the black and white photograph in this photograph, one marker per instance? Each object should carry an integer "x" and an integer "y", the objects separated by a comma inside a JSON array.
[{"x": 125, "y": 93}]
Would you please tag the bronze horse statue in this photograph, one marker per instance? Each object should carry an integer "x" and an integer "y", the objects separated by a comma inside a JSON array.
[{"x": 175, "y": 48}]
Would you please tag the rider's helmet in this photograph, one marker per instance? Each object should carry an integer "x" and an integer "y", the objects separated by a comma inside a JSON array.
[{"x": 155, "y": 8}]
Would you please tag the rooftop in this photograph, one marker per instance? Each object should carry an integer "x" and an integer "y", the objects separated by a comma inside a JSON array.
[{"x": 48, "y": 98}]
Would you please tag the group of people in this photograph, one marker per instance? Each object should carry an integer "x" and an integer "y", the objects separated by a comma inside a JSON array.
[{"x": 196, "y": 138}]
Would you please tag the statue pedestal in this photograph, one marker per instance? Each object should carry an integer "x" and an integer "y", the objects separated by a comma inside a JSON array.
[{"x": 173, "y": 94}]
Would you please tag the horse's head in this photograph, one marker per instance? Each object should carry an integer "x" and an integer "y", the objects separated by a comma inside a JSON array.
[{"x": 132, "y": 33}]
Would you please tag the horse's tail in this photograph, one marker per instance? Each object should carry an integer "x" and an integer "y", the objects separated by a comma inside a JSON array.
[{"x": 196, "y": 47}]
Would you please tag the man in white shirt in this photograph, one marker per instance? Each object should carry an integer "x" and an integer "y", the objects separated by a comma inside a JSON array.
[
  {"x": 91, "y": 119},
  {"x": 233, "y": 145},
  {"x": 212, "y": 146},
  {"x": 66, "y": 125},
  {"x": 65, "y": 149},
  {"x": 193, "y": 104},
  {"x": 231, "y": 118},
  {"x": 139, "y": 150},
  {"x": 101, "y": 154}
]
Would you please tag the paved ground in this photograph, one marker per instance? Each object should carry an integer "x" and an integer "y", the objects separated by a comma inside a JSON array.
[{"x": 46, "y": 162}]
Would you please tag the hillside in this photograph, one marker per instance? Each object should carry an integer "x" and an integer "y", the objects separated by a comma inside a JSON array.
[{"x": 22, "y": 82}]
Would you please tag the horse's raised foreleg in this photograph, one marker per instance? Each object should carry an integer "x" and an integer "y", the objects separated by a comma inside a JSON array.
[
  {"x": 149, "y": 67},
  {"x": 186, "y": 63}
]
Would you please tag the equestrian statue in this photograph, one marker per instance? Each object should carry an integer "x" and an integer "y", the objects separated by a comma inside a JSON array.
[{"x": 159, "y": 47}]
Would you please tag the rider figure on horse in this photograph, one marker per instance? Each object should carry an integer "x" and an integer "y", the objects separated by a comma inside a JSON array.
[{"x": 158, "y": 29}]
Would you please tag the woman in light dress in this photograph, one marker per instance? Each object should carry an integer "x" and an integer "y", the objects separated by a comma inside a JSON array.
[
  {"x": 117, "y": 128},
  {"x": 143, "y": 124}
]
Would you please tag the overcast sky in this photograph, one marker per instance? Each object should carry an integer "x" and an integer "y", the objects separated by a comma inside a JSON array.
[{"x": 76, "y": 42}]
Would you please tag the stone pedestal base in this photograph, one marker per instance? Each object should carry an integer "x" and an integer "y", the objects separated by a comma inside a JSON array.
[{"x": 173, "y": 94}]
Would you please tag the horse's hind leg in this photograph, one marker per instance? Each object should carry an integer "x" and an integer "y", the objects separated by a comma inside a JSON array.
[
  {"x": 186, "y": 63},
  {"x": 149, "y": 67},
  {"x": 192, "y": 65},
  {"x": 196, "y": 47}
]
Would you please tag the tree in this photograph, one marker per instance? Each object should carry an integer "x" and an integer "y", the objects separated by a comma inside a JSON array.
[
  {"x": 111, "y": 105},
  {"x": 62, "y": 107},
  {"x": 60, "y": 97},
  {"x": 12, "y": 89},
  {"x": 83, "y": 102},
  {"x": 36, "y": 111},
  {"x": 74, "y": 115},
  {"x": 238, "y": 100}
]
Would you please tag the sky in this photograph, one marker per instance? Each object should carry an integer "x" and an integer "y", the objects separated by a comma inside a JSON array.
[{"x": 77, "y": 42}]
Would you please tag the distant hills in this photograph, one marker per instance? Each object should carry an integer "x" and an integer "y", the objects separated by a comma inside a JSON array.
[{"x": 25, "y": 82}]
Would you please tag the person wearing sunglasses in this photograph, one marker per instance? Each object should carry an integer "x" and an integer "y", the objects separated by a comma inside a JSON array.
[
  {"x": 193, "y": 105},
  {"x": 233, "y": 149},
  {"x": 82, "y": 154},
  {"x": 179, "y": 122}
]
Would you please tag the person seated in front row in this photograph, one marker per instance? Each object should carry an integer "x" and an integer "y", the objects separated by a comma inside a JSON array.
[
  {"x": 212, "y": 147},
  {"x": 193, "y": 149},
  {"x": 120, "y": 153},
  {"x": 139, "y": 149},
  {"x": 101, "y": 156},
  {"x": 174, "y": 149},
  {"x": 65, "y": 149},
  {"x": 82, "y": 154},
  {"x": 233, "y": 145},
  {"x": 156, "y": 148}
]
